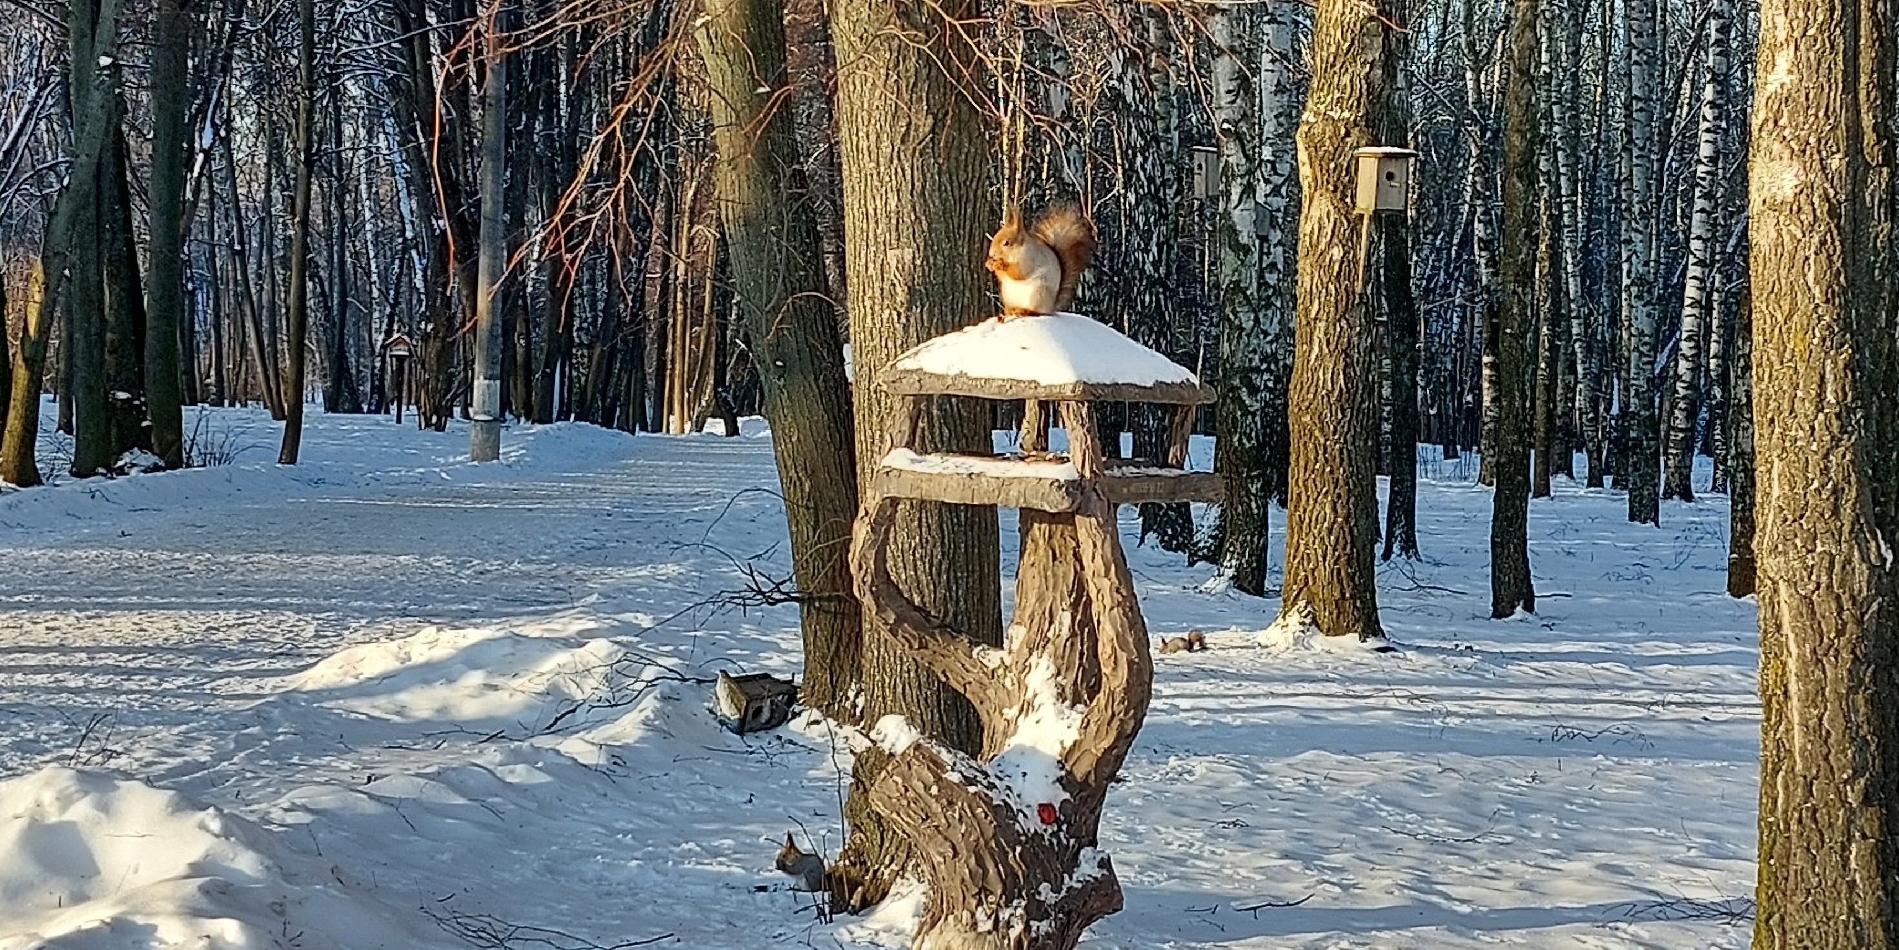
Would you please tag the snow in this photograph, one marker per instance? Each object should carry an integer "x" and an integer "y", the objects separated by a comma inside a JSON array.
[
  {"x": 98, "y": 861},
  {"x": 1052, "y": 350},
  {"x": 1030, "y": 763},
  {"x": 386, "y": 697},
  {"x": 894, "y": 734},
  {"x": 910, "y": 461}
]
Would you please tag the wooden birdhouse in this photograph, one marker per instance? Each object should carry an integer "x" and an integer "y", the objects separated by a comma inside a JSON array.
[
  {"x": 1012, "y": 830},
  {"x": 1206, "y": 172},
  {"x": 752, "y": 702},
  {"x": 1384, "y": 179}
]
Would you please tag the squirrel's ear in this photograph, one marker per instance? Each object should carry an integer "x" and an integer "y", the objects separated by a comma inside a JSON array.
[
  {"x": 1012, "y": 215},
  {"x": 788, "y": 841}
]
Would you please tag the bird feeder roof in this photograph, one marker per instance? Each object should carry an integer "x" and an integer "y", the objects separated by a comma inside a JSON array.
[{"x": 1061, "y": 356}]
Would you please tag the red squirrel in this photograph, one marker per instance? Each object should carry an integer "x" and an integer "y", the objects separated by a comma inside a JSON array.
[{"x": 1040, "y": 265}]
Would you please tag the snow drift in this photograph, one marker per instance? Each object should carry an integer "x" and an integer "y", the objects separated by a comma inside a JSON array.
[{"x": 89, "y": 861}]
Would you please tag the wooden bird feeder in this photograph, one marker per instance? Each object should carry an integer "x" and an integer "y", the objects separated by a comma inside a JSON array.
[
  {"x": 1007, "y": 838},
  {"x": 752, "y": 702}
]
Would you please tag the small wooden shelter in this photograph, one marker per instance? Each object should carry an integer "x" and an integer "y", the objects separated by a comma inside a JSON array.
[{"x": 1007, "y": 838}]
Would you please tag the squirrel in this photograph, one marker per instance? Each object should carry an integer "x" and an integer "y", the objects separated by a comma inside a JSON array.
[
  {"x": 1193, "y": 642},
  {"x": 806, "y": 869},
  {"x": 1040, "y": 265}
]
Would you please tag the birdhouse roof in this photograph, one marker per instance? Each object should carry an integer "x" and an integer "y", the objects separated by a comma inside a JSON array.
[{"x": 1061, "y": 356}]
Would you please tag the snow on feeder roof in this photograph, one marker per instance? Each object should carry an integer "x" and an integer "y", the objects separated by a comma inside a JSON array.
[{"x": 1061, "y": 356}]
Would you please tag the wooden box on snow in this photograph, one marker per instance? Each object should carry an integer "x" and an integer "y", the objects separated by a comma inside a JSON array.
[{"x": 752, "y": 702}]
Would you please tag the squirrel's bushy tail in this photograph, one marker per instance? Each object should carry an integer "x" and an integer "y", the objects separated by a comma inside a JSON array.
[{"x": 1072, "y": 235}]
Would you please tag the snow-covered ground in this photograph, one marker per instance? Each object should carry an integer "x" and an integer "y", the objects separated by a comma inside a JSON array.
[{"x": 389, "y": 699}]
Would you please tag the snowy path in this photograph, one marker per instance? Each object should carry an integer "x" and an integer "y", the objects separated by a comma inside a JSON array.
[{"x": 372, "y": 658}]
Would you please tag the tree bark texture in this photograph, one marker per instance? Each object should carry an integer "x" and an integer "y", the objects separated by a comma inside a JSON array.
[
  {"x": 1639, "y": 467},
  {"x": 1332, "y": 499},
  {"x": 1255, "y": 104},
  {"x": 914, "y": 159},
  {"x": 1741, "y": 563},
  {"x": 93, "y": 33},
  {"x": 1821, "y": 213},
  {"x": 1398, "y": 308}
]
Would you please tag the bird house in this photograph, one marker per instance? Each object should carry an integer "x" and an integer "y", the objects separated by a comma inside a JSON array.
[
  {"x": 1384, "y": 179},
  {"x": 399, "y": 346},
  {"x": 1206, "y": 172},
  {"x": 752, "y": 702}
]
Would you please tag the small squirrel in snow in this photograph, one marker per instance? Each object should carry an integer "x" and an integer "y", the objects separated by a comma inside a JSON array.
[
  {"x": 806, "y": 869},
  {"x": 1039, "y": 266},
  {"x": 1193, "y": 642}
]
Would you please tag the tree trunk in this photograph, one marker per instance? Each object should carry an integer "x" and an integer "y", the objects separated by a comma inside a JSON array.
[
  {"x": 172, "y": 25},
  {"x": 298, "y": 304},
  {"x": 1332, "y": 510},
  {"x": 93, "y": 32},
  {"x": 1397, "y": 305},
  {"x": 915, "y": 238},
  {"x": 1640, "y": 466},
  {"x": 791, "y": 328},
  {"x": 125, "y": 310},
  {"x": 1583, "y": 319},
  {"x": 19, "y": 465},
  {"x": 1826, "y": 349},
  {"x": 1148, "y": 304},
  {"x": 1741, "y": 565},
  {"x": 1255, "y": 101},
  {"x": 1696, "y": 314},
  {"x": 1511, "y": 588}
]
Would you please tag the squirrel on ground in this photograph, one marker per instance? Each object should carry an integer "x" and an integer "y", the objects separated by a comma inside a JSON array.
[
  {"x": 1193, "y": 642},
  {"x": 1039, "y": 266},
  {"x": 806, "y": 869}
]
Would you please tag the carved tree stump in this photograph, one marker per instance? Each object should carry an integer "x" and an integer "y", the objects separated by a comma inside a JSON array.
[{"x": 1007, "y": 840}]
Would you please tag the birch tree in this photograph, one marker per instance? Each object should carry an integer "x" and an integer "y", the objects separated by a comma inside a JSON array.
[
  {"x": 1697, "y": 295},
  {"x": 1255, "y": 102},
  {"x": 1639, "y": 467}
]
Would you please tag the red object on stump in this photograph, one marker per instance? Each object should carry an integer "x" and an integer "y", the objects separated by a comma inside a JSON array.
[{"x": 1046, "y": 812}]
